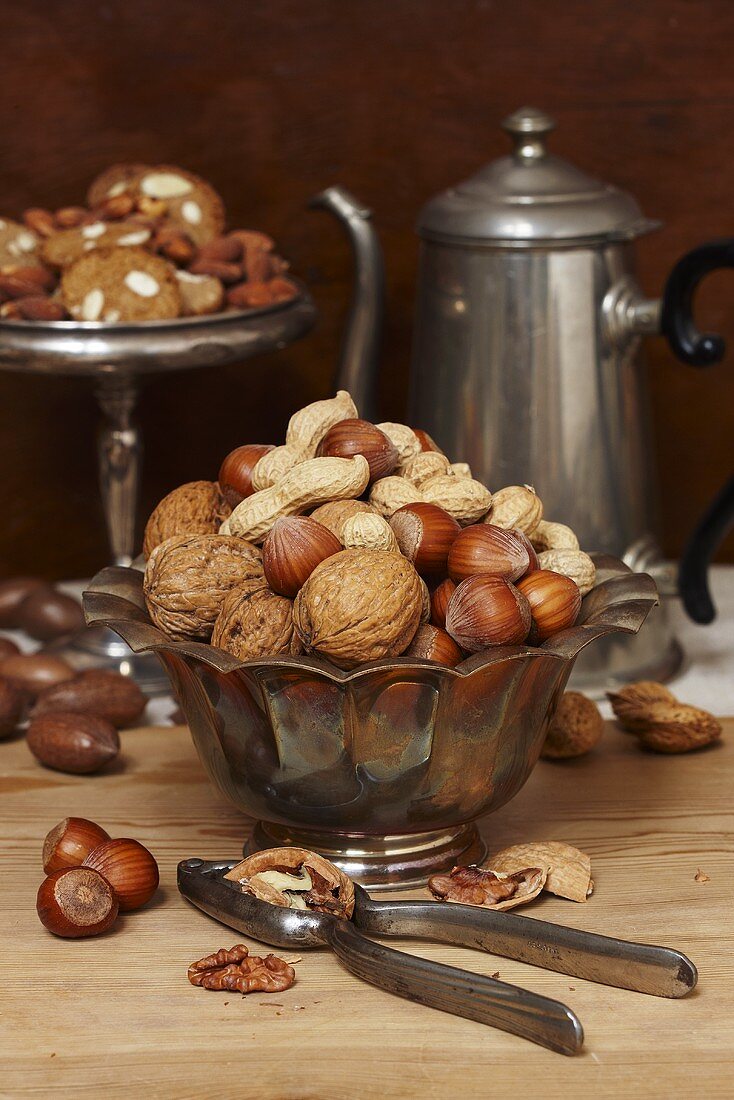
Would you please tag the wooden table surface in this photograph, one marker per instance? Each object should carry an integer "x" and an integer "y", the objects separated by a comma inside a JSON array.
[{"x": 116, "y": 1017}]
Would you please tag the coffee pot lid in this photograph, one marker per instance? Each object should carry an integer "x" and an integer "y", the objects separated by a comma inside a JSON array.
[{"x": 532, "y": 197}]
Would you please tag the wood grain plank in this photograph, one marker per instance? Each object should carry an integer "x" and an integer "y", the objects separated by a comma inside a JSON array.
[{"x": 115, "y": 1016}]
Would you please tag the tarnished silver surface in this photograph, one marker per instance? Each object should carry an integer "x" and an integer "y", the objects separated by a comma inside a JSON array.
[
  {"x": 119, "y": 358},
  {"x": 395, "y": 758},
  {"x": 99, "y": 348},
  {"x": 358, "y": 358},
  {"x": 526, "y": 357},
  {"x": 659, "y": 971}
]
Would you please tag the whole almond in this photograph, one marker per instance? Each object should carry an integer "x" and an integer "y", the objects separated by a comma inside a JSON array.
[
  {"x": 75, "y": 743},
  {"x": 115, "y": 207},
  {"x": 39, "y": 220},
  {"x": 253, "y": 238},
  {"x": 227, "y": 272},
  {"x": 108, "y": 695},
  {"x": 36, "y": 307},
  {"x": 175, "y": 246},
  {"x": 68, "y": 217},
  {"x": 249, "y": 295},
  {"x": 222, "y": 249},
  {"x": 24, "y": 281}
]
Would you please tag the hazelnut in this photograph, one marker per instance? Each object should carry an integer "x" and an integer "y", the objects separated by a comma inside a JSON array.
[
  {"x": 358, "y": 606},
  {"x": 425, "y": 534},
  {"x": 76, "y": 902},
  {"x": 431, "y": 643},
  {"x": 426, "y": 441},
  {"x": 293, "y": 549},
  {"x": 235, "y": 473},
  {"x": 188, "y": 577},
  {"x": 11, "y": 708},
  {"x": 555, "y": 602},
  {"x": 69, "y": 843},
  {"x": 487, "y": 611},
  {"x": 130, "y": 869},
  {"x": 255, "y": 622},
  {"x": 196, "y": 508},
  {"x": 485, "y": 548},
  {"x": 576, "y": 727},
  {"x": 100, "y": 692},
  {"x": 353, "y": 437},
  {"x": 440, "y": 601},
  {"x": 76, "y": 743}
]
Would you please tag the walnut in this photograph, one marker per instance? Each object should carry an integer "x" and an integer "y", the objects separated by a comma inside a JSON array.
[
  {"x": 197, "y": 508},
  {"x": 188, "y": 577},
  {"x": 576, "y": 727},
  {"x": 358, "y": 606},
  {"x": 235, "y": 970},
  {"x": 255, "y": 622},
  {"x": 297, "y": 879},
  {"x": 491, "y": 889}
]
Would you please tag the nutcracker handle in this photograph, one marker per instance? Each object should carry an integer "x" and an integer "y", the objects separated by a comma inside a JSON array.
[
  {"x": 699, "y": 349},
  {"x": 488, "y": 1001}
]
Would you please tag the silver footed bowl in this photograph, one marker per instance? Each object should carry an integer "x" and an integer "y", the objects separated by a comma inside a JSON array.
[{"x": 384, "y": 769}]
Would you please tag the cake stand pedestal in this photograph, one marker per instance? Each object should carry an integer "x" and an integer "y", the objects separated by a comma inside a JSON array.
[{"x": 119, "y": 358}]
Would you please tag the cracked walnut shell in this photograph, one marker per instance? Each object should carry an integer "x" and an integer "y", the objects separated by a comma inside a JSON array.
[
  {"x": 359, "y": 605},
  {"x": 255, "y": 622},
  {"x": 188, "y": 577},
  {"x": 196, "y": 508},
  {"x": 568, "y": 869},
  {"x": 295, "y": 878},
  {"x": 490, "y": 888}
]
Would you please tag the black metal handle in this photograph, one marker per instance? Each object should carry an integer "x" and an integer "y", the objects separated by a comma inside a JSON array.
[
  {"x": 693, "y": 570},
  {"x": 699, "y": 350},
  {"x": 688, "y": 344}
]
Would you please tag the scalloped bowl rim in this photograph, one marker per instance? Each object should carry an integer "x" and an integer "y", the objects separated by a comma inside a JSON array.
[{"x": 103, "y": 604}]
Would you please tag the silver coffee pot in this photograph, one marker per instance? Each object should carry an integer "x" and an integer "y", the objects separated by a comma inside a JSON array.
[{"x": 526, "y": 359}]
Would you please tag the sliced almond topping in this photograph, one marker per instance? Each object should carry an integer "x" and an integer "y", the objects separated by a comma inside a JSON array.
[
  {"x": 164, "y": 185},
  {"x": 139, "y": 236},
  {"x": 96, "y": 229},
  {"x": 141, "y": 283},
  {"x": 191, "y": 212},
  {"x": 92, "y": 305}
]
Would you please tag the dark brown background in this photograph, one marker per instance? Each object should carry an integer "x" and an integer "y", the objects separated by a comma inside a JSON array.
[{"x": 395, "y": 99}]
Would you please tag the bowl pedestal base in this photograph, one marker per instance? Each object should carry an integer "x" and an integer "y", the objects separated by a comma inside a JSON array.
[{"x": 379, "y": 862}]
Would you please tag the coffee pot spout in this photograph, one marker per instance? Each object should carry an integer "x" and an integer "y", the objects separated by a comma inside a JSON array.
[{"x": 358, "y": 359}]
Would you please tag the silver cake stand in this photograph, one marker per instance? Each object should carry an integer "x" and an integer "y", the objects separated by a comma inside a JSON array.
[{"x": 119, "y": 358}]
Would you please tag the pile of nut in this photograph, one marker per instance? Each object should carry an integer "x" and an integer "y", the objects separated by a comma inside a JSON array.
[
  {"x": 90, "y": 878},
  {"x": 356, "y": 541},
  {"x": 151, "y": 243}
]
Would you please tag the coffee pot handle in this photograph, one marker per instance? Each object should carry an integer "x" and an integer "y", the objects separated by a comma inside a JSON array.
[
  {"x": 699, "y": 349},
  {"x": 693, "y": 569},
  {"x": 358, "y": 360}
]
